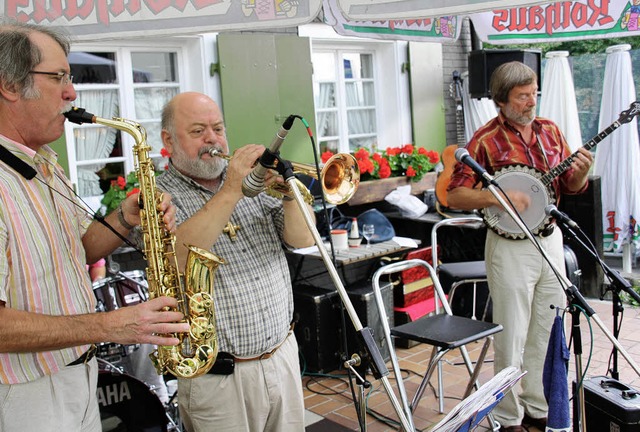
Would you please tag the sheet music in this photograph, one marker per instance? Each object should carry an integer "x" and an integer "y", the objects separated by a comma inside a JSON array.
[{"x": 489, "y": 394}]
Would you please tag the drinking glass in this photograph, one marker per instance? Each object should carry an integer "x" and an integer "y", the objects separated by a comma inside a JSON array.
[{"x": 367, "y": 232}]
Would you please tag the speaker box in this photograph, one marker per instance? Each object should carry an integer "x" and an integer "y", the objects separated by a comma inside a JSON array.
[
  {"x": 362, "y": 298},
  {"x": 609, "y": 405},
  {"x": 482, "y": 63},
  {"x": 586, "y": 210},
  {"x": 317, "y": 329}
]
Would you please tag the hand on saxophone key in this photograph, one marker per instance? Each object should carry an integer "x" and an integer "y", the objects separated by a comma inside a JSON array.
[
  {"x": 131, "y": 211},
  {"x": 147, "y": 322}
]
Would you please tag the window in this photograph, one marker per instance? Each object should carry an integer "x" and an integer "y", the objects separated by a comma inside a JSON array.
[
  {"x": 345, "y": 100},
  {"x": 129, "y": 83}
]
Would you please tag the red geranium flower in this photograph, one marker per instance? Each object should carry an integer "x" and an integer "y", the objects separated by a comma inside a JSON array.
[{"x": 407, "y": 160}]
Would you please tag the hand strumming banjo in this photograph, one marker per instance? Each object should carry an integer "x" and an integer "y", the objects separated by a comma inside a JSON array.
[{"x": 538, "y": 186}]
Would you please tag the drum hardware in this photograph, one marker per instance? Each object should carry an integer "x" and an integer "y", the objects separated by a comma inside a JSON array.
[{"x": 114, "y": 292}]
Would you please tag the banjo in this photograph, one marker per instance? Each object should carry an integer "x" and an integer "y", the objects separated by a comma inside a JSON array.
[{"x": 538, "y": 186}]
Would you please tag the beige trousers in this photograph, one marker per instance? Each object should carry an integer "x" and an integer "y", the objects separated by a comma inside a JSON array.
[
  {"x": 65, "y": 401},
  {"x": 260, "y": 396},
  {"x": 523, "y": 287}
]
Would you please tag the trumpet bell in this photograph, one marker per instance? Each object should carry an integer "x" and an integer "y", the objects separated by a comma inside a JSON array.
[{"x": 340, "y": 178}]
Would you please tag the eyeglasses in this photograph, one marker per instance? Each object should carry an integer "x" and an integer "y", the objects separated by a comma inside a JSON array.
[{"x": 64, "y": 77}]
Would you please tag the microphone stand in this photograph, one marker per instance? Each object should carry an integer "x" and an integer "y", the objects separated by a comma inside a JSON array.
[
  {"x": 618, "y": 283},
  {"x": 365, "y": 334},
  {"x": 573, "y": 296}
]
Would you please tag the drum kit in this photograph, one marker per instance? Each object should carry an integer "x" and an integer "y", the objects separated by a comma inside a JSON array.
[{"x": 127, "y": 403}]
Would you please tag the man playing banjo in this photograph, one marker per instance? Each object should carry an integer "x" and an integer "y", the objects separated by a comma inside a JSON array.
[{"x": 521, "y": 283}]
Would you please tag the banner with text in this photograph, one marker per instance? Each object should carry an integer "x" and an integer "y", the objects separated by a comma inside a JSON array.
[
  {"x": 109, "y": 19},
  {"x": 440, "y": 29},
  {"x": 560, "y": 21}
]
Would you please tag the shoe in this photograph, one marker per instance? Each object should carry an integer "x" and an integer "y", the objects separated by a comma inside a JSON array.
[
  {"x": 511, "y": 429},
  {"x": 540, "y": 423}
]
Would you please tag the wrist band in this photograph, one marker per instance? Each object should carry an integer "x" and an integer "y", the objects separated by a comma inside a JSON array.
[{"x": 122, "y": 220}]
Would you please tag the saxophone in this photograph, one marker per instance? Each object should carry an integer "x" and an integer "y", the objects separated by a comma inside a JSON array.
[{"x": 197, "y": 350}]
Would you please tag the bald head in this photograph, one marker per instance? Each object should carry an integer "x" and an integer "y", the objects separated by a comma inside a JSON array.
[{"x": 186, "y": 104}]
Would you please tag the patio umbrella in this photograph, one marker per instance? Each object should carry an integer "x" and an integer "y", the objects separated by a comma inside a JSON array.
[
  {"x": 558, "y": 100},
  {"x": 618, "y": 158}
]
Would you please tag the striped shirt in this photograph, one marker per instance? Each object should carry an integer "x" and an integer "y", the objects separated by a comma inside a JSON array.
[
  {"x": 498, "y": 144},
  {"x": 252, "y": 291},
  {"x": 43, "y": 267}
]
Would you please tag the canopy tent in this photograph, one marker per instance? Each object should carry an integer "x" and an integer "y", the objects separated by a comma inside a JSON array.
[
  {"x": 495, "y": 21},
  {"x": 558, "y": 100},
  {"x": 618, "y": 158}
]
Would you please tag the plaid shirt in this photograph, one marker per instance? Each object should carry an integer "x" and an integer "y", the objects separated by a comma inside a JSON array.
[
  {"x": 42, "y": 268},
  {"x": 252, "y": 291},
  {"x": 498, "y": 144}
]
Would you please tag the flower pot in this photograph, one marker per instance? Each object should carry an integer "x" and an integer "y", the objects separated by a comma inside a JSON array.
[{"x": 375, "y": 190}]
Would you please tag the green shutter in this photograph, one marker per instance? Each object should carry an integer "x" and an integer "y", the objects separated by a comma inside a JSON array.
[
  {"x": 264, "y": 78},
  {"x": 427, "y": 97}
]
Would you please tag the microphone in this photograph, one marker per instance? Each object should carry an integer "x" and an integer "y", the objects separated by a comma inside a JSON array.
[
  {"x": 253, "y": 184},
  {"x": 552, "y": 210},
  {"x": 462, "y": 155}
]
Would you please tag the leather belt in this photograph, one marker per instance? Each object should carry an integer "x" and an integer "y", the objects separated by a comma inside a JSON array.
[
  {"x": 268, "y": 354},
  {"x": 223, "y": 357},
  {"x": 86, "y": 357}
]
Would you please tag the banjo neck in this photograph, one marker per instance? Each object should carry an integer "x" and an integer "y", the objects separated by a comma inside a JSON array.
[{"x": 554, "y": 172}]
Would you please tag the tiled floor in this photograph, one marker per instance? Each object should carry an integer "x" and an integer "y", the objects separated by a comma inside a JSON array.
[{"x": 330, "y": 397}]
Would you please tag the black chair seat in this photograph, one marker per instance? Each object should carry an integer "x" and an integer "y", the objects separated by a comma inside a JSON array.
[
  {"x": 446, "y": 331},
  {"x": 458, "y": 271}
]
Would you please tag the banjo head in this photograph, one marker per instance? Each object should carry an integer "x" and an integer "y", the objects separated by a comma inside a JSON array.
[{"x": 526, "y": 180}]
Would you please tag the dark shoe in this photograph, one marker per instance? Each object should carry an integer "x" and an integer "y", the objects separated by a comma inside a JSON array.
[
  {"x": 540, "y": 423},
  {"x": 511, "y": 429}
]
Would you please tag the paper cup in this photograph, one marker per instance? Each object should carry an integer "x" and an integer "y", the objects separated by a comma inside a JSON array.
[{"x": 339, "y": 239}]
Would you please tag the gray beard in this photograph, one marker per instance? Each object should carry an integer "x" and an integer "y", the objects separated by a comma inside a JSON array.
[
  {"x": 209, "y": 169},
  {"x": 521, "y": 119}
]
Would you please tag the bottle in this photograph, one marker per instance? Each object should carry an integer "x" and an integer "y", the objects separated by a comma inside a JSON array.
[{"x": 354, "y": 234}]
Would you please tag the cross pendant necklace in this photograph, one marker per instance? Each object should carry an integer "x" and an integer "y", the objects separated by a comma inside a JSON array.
[{"x": 231, "y": 230}]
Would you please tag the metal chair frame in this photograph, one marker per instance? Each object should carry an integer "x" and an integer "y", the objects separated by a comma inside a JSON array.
[{"x": 444, "y": 331}]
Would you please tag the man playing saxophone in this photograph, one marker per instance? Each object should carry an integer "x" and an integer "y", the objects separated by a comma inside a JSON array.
[
  {"x": 48, "y": 373},
  {"x": 255, "y": 384}
]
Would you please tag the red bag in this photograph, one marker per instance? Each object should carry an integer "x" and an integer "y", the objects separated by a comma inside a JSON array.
[{"x": 416, "y": 283}]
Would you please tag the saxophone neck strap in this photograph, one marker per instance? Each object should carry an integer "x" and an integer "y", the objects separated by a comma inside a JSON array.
[{"x": 23, "y": 168}]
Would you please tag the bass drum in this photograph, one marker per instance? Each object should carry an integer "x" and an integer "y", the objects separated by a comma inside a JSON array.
[
  {"x": 571, "y": 266},
  {"x": 128, "y": 405}
]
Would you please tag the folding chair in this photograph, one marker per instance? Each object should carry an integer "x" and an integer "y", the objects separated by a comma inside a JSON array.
[
  {"x": 455, "y": 274},
  {"x": 443, "y": 331}
]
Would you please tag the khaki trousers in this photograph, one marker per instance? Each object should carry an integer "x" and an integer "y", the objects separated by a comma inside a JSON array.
[
  {"x": 261, "y": 395},
  {"x": 523, "y": 287},
  {"x": 65, "y": 401}
]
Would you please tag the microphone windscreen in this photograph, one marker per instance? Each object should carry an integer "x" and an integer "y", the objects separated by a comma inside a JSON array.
[{"x": 461, "y": 153}]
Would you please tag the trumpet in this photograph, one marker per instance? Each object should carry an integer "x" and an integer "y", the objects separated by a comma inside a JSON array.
[{"x": 339, "y": 178}]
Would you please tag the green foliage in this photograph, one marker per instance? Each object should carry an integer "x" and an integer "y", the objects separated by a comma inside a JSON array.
[
  {"x": 626, "y": 298},
  {"x": 118, "y": 191}
]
